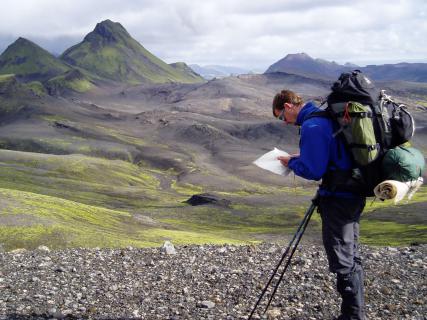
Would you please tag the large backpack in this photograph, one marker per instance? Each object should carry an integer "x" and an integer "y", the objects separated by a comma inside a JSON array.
[{"x": 370, "y": 123}]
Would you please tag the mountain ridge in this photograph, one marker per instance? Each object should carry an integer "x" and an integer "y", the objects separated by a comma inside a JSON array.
[{"x": 303, "y": 64}]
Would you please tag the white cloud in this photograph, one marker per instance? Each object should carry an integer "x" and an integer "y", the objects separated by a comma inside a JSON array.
[{"x": 245, "y": 33}]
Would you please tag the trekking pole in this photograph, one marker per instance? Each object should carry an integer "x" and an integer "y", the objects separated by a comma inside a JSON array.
[
  {"x": 310, "y": 213},
  {"x": 299, "y": 234},
  {"x": 279, "y": 264}
]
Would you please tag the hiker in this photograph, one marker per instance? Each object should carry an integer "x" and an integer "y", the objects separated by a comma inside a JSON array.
[{"x": 324, "y": 156}]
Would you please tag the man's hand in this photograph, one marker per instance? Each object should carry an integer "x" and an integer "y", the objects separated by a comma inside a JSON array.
[{"x": 285, "y": 160}]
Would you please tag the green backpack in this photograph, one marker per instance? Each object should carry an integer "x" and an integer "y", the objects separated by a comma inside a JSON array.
[
  {"x": 356, "y": 126},
  {"x": 403, "y": 164}
]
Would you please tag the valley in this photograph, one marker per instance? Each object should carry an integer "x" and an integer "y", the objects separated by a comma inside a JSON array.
[{"x": 102, "y": 158}]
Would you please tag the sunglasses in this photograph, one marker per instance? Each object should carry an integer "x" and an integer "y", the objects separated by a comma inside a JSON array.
[{"x": 282, "y": 115}]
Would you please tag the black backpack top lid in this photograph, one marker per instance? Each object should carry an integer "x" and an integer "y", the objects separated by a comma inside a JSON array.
[{"x": 353, "y": 86}]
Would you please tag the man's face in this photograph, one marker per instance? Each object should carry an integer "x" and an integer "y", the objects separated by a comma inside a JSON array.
[{"x": 288, "y": 113}]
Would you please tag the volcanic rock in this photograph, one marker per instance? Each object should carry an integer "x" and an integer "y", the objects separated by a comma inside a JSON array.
[{"x": 207, "y": 198}]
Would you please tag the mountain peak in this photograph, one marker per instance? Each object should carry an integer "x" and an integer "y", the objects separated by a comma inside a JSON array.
[
  {"x": 23, "y": 42},
  {"x": 298, "y": 56},
  {"x": 303, "y": 64},
  {"x": 108, "y": 31}
]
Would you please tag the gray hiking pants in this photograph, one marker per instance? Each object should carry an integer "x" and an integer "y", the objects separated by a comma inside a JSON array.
[{"x": 340, "y": 231}]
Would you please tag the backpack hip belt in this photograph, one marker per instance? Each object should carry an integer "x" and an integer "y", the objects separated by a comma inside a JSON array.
[{"x": 342, "y": 180}]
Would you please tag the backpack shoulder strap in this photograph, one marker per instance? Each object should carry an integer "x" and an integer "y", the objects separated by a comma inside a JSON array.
[
  {"x": 326, "y": 113},
  {"x": 320, "y": 114}
]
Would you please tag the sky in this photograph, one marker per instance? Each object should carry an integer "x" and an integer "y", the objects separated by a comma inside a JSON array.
[{"x": 251, "y": 34}]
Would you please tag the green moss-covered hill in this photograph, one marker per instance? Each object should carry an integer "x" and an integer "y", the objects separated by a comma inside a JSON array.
[
  {"x": 14, "y": 96},
  {"x": 30, "y": 62},
  {"x": 110, "y": 52},
  {"x": 183, "y": 67},
  {"x": 74, "y": 80},
  {"x": 26, "y": 62}
]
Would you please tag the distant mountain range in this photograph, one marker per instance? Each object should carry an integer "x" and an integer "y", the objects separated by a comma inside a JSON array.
[
  {"x": 303, "y": 64},
  {"x": 108, "y": 53},
  {"x": 215, "y": 71}
]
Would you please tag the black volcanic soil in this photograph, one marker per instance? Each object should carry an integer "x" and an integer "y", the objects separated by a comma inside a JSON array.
[{"x": 201, "y": 282}]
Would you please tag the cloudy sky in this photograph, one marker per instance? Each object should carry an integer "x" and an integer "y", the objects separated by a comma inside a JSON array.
[{"x": 251, "y": 34}]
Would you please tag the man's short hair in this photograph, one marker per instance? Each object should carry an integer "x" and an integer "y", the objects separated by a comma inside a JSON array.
[{"x": 285, "y": 96}]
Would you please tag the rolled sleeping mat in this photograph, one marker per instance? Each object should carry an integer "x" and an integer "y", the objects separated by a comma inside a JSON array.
[{"x": 396, "y": 190}]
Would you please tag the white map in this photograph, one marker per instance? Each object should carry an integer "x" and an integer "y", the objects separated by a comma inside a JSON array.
[{"x": 268, "y": 161}]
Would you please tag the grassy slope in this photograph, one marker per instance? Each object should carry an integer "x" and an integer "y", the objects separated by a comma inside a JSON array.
[
  {"x": 184, "y": 68},
  {"x": 38, "y": 185},
  {"x": 90, "y": 180},
  {"x": 5, "y": 77},
  {"x": 384, "y": 223},
  {"x": 155, "y": 70},
  {"x": 62, "y": 223},
  {"x": 80, "y": 83},
  {"x": 14, "y": 95},
  {"x": 37, "y": 88}
]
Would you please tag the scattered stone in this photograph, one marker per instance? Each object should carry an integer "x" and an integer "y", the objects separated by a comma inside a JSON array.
[
  {"x": 207, "y": 304},
  {"x": 168, "y": 248},
  {"x": 43, "y": 249},
  {"x": 18, "y": 251},
  {"x": 222, "y": 250},
  {"x": 114, "y": 287},
  {"x": 188, "y": 272},
  {"x": 385, "y": 290},
  {"x": 272, "y": 249},
  {"x": 273, "y": 313}
]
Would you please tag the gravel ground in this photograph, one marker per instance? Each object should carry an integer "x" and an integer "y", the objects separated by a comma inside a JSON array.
[{"x": 201, "y": 282}]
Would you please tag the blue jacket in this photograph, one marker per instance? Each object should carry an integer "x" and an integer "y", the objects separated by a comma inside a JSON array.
[{"x": 320, "y": 151}]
